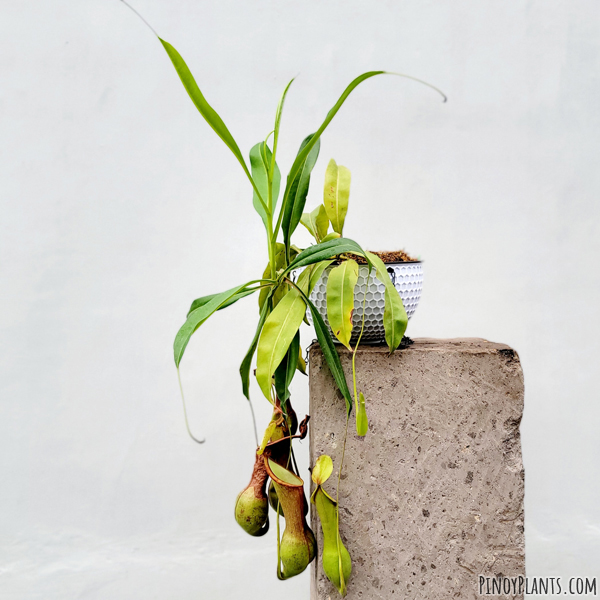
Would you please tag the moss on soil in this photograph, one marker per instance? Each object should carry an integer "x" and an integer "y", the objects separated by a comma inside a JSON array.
[{"x": 387, "y": 257}]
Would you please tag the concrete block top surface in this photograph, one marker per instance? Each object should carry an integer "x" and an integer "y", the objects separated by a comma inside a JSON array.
[{"x": 432, "y": 496}]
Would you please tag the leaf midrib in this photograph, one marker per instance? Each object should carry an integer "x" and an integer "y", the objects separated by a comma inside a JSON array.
[{"x": 282, "y": 328}]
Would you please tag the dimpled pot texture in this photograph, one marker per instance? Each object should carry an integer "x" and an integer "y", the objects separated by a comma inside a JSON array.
[{"x": 408, "y": 280}]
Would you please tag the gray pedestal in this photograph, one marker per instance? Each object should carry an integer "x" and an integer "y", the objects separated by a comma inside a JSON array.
[{"x": 432, "y": 497}]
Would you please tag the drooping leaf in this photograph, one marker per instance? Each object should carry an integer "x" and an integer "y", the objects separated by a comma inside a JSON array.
[
  {"x": 362, "y": 423},
  {"x": 205, "y": 109},
  {"x": 322, "y": 470},
  {"x": 298, "y": 191},
  {"x": 310, "y": 275},
  {"x": 330, "y": 353},
  {"x": 336, "y": 193},
  {"x": 260, "y": 161},
  {"x": 324, "y": 251},
  {"x": 340, "y": 300},
  {"x": 284, "y": 373},
  {"x": 206, "y": 299},
  {"x": 317, "y": 272},
  {"x": 198, "y": 316},
  {"x": 304, "y": 279},
  {"x": 395, "y": 319},
  {"x": 316, "y": 222},
  {"x": 277, "y": 335},
  {"x": 247, "y": 362}
]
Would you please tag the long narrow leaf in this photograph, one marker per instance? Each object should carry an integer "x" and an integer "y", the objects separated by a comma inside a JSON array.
[
  {"x": 205, "y": 109},
  {"x": 325, "y": 250},
  {"x": 330, "y": 353},
  {"x": 287, "y": 368},
  {"x": 293, "y": 208},
  {"x": 316, "y": 273},
  {"x": 277, "y": 335},
  {"x": 247, "y": 362},
  {"x": 395, "y": 319},
  {"x": 278, "y": 123},
  {"x": 260, "y": 160},
  {"x": 301, "y": 157},
  {"x": 340, "y": 300},
  {"x": 198, "y": 302},
  {"x": 198, "y": 316}
]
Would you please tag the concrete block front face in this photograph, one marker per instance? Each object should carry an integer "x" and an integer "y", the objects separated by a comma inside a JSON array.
[{"x": 432, "y": 496}]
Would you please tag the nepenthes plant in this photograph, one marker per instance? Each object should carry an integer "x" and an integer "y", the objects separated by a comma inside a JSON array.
[{"x": 284, "y": 291}]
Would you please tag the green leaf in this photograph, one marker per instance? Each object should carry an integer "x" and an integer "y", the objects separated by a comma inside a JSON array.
[
  {"x": 278, "y": 123},
  {"x": 271, "y": 427},
  {"x": 335, "y": 558},
  {"x": 309, "y": 277},
  {"x": 334, "y": 235},
  {"x": 316, "y": 222},
  {"x": 301, "y": 157},
  {"x": 306, "y": 280},
  {"x": 247, "y": 362},
  {"x": 336, "y": 193},
  {"x": 340, "y": 300},
  {"x": 322, "y": 470},
  {"x": 316, "y": 273},
  {"x": 277, "y": 335},
  {"x": 301, "y": 366},
  {"x": 279, "y": 264},
  {"x": 260, "y": 161},
  {"x": 296, "y": 200},
  {"x": 287, "y": 368},
  {"x": 395, "y": 319},
  {"x": 330, "y": 353},
  {"x": 325, "y": 250},
  {"x": 206, "y": 299},
  {"x": 362, "y": 423},
  {"x": 205, "y": 109},
  {"x": 198, "y": 316}
]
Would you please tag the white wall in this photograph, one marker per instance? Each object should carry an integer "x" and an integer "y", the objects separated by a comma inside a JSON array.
[{"x": 120, "y": 205}]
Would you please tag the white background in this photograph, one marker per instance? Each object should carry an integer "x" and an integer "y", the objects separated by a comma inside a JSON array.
[{"x": 120, "y": 206}]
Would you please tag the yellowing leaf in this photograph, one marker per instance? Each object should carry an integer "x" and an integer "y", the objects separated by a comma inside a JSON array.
[
  {"x": 277, "y": 335},
  {"x": 336, "y": 193},
  {"x": 395, "y": 319},
  {"x": 334, "y": 235},
  {"x": 322, "y": 470},
  {"x": 268, "y": 433},
  {"x": 340, "y": 300},
  {"x": 316, "y": 222}
]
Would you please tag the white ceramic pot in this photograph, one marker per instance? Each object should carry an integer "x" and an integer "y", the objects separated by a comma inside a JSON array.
[{"x": 408, "y": 280}]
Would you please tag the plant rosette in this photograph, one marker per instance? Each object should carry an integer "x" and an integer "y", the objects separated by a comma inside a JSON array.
[{"x": 329, "y": 268}]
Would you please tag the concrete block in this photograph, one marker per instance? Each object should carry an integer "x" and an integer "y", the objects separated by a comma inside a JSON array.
[{"x": 432, "y": 496}]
